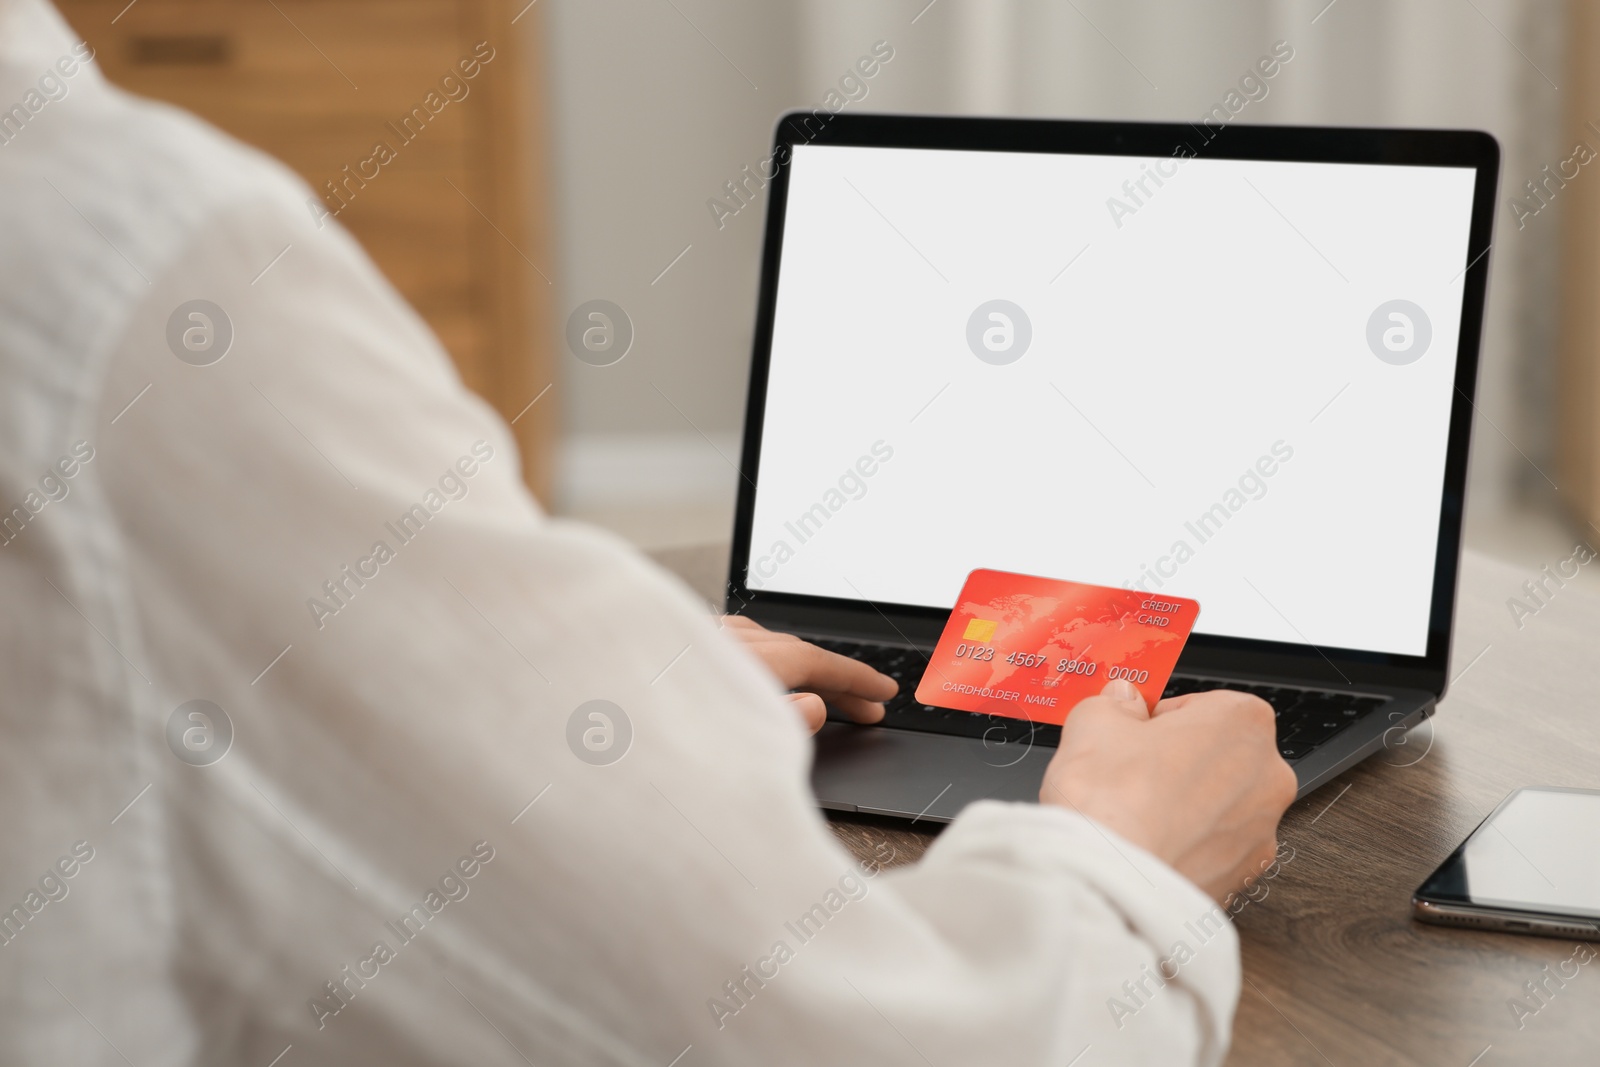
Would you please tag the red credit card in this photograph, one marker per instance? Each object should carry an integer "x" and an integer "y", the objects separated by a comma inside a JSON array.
[{"x": 1031, "y": 648}]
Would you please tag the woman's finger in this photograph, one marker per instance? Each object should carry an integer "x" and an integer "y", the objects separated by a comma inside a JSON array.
[
  {"x": 811, "y": 708},
  {"x": 857, "y": 708}
]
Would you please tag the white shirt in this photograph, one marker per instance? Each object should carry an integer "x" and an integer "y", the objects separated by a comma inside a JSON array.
[{"x": 389, "y": 735}]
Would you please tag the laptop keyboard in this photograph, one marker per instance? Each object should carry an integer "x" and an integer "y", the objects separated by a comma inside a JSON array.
[{"x": 1306, "y": 717}]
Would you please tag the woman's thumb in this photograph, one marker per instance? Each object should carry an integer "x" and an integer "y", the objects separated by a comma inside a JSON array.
[{"x": 1125, "y": 692}]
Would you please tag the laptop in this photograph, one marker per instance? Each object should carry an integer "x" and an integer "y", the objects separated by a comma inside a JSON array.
[{"x": 1228, "y": 363}]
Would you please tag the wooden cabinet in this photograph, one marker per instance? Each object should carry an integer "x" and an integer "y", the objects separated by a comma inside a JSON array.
[
  {"x": 455, "y": 216},
  {"x": 1578, "y": 369}
]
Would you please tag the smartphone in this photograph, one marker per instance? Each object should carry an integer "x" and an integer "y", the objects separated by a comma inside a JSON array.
[{"x": 1531, "y": 867}]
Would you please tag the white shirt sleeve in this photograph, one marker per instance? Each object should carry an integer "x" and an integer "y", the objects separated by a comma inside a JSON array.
[
  {"x": 330, "y": 489},
  {"x": 410, "y": 854}
]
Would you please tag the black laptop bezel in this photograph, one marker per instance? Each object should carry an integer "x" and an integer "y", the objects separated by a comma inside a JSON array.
[{"x": 1204, "y": 652}]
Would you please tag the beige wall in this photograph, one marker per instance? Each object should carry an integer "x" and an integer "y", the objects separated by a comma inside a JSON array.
[{"x": 650, "y": 120}]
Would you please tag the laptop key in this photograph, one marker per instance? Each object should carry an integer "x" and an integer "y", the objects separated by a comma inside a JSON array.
[
  {"x": 1315, "y": 729},
  {"x": 909, "y": 716},
  {"x": 1177, "y": 686},
  {"x": 1282, "y": 699}
]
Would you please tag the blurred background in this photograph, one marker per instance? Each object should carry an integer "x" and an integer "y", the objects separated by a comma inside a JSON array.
[{"x": 608, "y": 150}]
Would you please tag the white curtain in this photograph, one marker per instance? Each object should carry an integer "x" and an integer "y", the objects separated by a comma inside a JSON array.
[{"x": 1489, "y": 64}]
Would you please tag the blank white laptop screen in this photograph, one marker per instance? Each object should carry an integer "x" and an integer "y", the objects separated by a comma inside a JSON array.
[{"x": 1224, "y": 379}]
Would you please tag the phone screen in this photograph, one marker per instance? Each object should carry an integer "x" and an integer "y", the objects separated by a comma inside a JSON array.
[{"x": 1539, "y": 851}]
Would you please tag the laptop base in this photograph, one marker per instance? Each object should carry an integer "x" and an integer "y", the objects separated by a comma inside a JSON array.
[{"x": 930, "y": 778}]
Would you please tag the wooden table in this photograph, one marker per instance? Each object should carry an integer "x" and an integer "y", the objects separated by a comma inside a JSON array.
[{"x": 1335, "y": 969}]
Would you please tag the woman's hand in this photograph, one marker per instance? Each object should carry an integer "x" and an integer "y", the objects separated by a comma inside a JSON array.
[
  {"x": 819, "y": 675},
  {"x": 1196, "y": 781}
]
